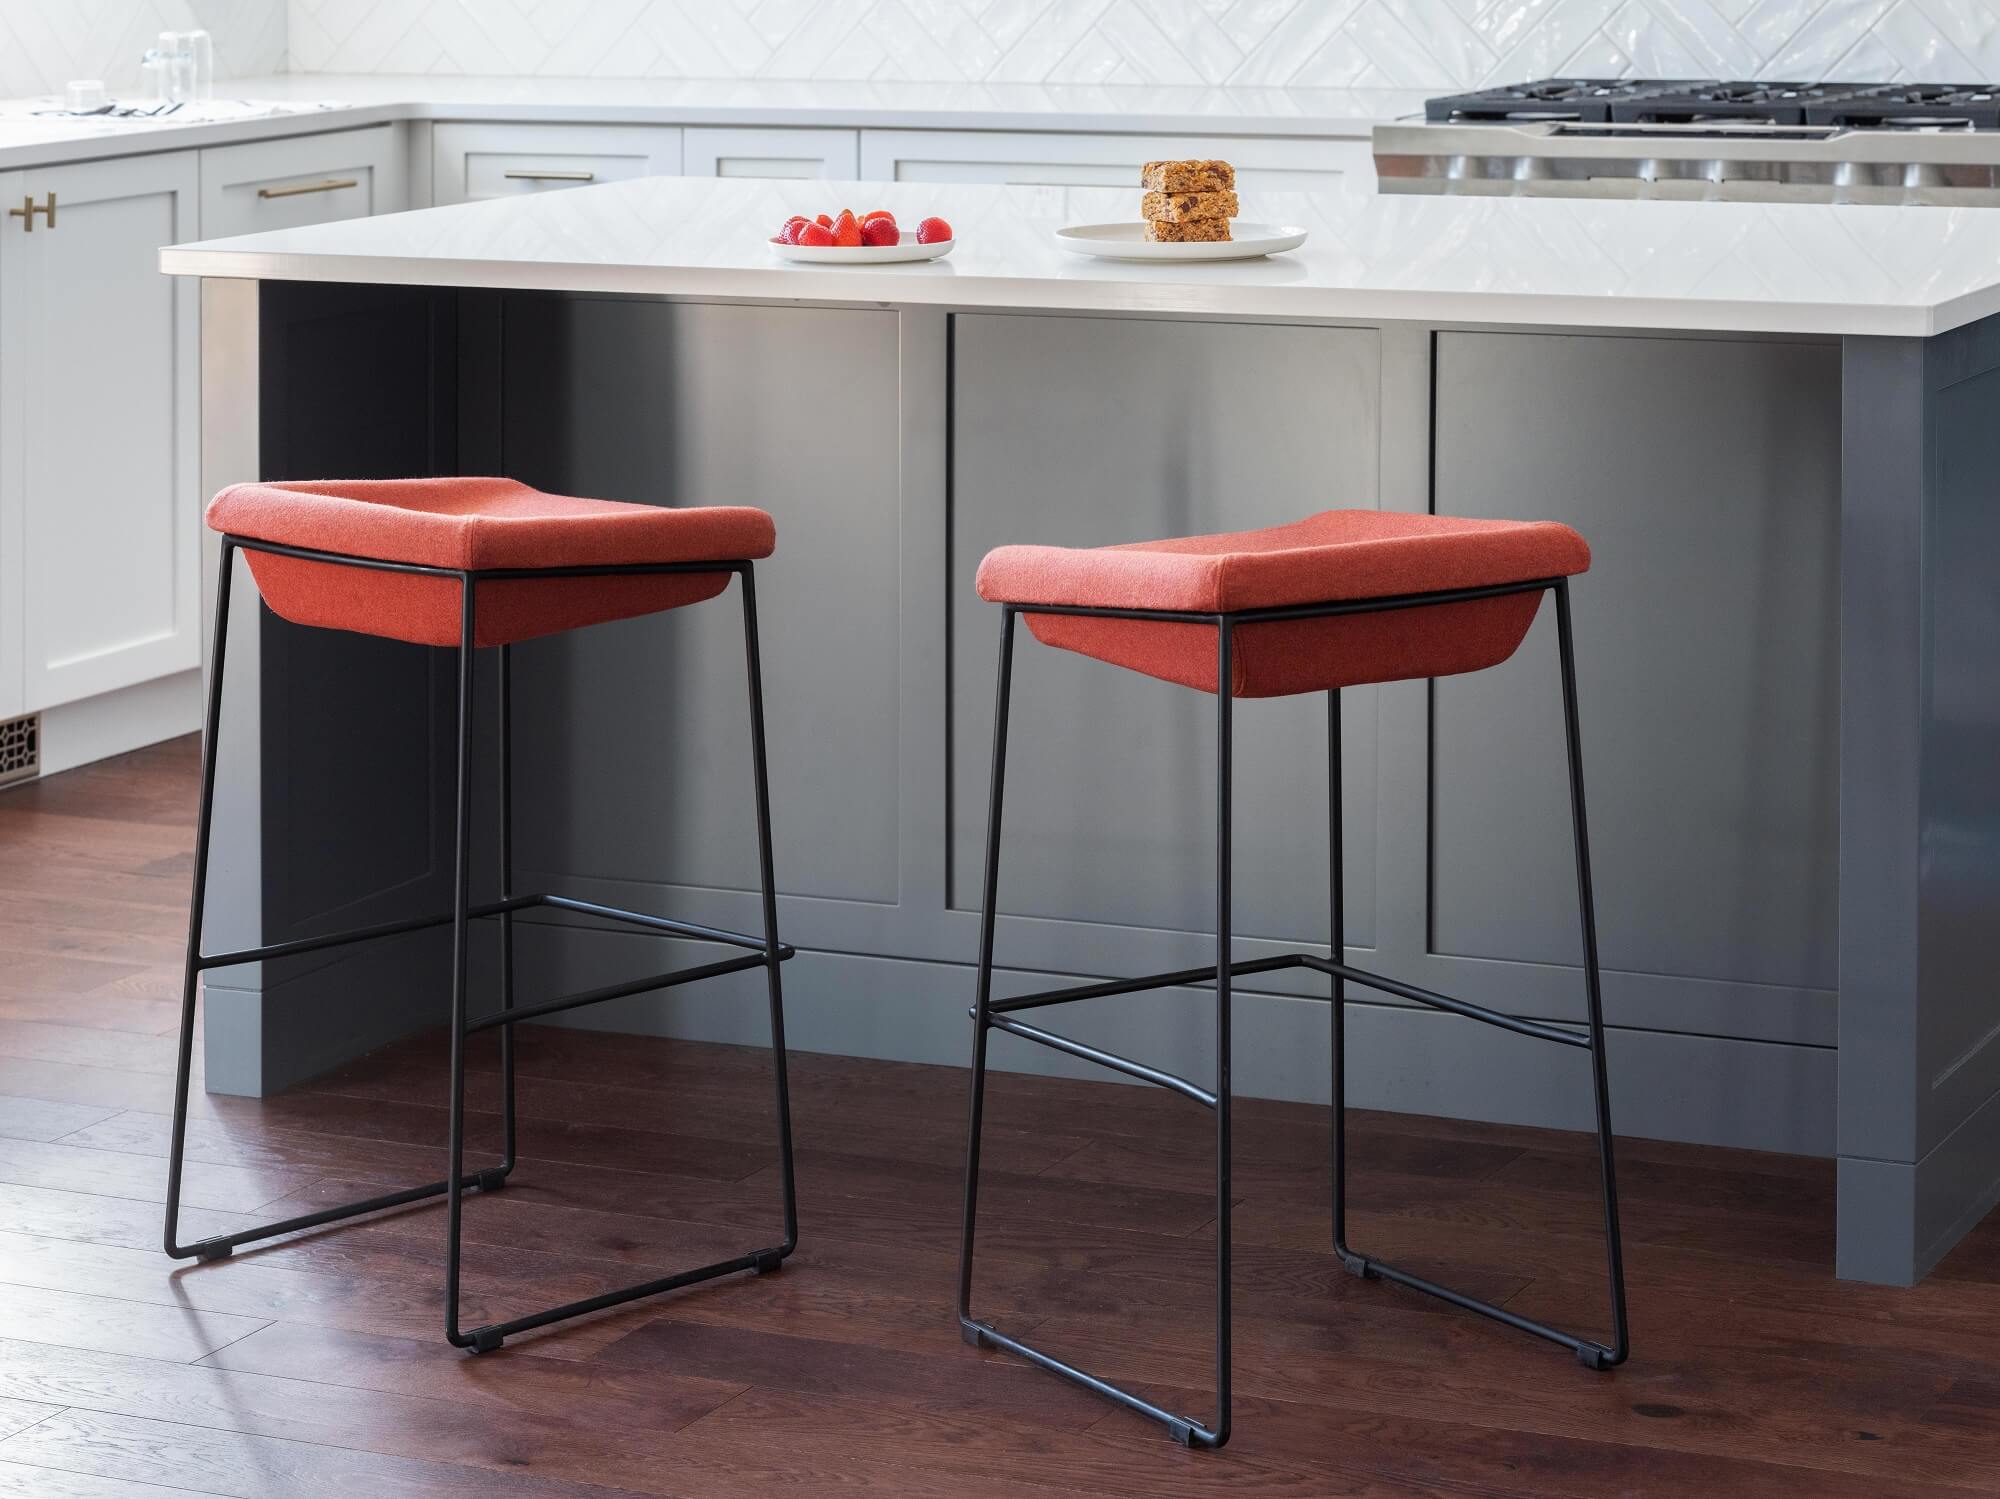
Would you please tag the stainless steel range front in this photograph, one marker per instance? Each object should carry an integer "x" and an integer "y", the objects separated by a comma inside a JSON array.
[{"x": 1680, "y": 138}]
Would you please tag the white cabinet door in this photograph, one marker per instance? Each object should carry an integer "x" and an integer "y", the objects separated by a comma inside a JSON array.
[
  {"x": 305, "y": 179},
  {"x": 470, "y": 162},
  {"x": 99, "y": 430},
  {"x": 1267, "y": 163},
  {"x": 770, "y": 153}
]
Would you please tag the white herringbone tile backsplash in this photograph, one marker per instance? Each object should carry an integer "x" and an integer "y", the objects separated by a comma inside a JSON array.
[
  {"x": 1358, "y": 43},
  {"x": 45, "y": 43},
  {"x": 1353, "y": 43}
]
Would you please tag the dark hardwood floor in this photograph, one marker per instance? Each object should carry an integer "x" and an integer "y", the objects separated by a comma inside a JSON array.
[{"x": 317, "y": 1367}]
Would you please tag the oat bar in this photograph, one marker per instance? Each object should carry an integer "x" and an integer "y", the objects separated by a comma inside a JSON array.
[
  {"x": 1186, "y": 208},
  {"x": 1187, "y": 176},
  {"x": 1195, "y": 231}
]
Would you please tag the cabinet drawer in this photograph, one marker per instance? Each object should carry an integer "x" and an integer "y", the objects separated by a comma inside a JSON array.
[
  {"x": 1266, "y": 163},
  {"x": 471, "y": 162},
  {"x": 308, "y": 179},
  {"x": 771, "y": 153}
]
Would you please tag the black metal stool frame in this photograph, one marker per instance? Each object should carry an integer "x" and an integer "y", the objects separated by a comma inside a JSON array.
[
  {"x": 766, "y": 952},
  {"x": 990, "y": 1014}
]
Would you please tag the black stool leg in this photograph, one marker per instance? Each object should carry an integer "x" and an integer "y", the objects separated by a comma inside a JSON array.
[
  {"x": 1591, "y": 1354},
  {"x": 770, "y": 1259},
  {"x": 983, "y": 1334},
  {"x": 1594, "y": 996},
  {"x": 191, "y": 971},
  {"x": 492, "y": 1180},
  {"x": 1225, "y": 740},
  {"x": 461, "y": 923},
  {"x": 1337, "y": 909},
  {"x": 973, "y": 1332}
]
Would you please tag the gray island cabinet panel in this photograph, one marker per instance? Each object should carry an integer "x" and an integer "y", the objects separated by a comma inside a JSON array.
[
  {"x": 1706, "y": 476},
  {"x": 637, "y": 729},
  {"x": 1155, "y": 429}
]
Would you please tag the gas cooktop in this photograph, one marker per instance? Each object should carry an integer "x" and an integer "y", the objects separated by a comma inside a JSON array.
[
  {"x": 1681, "y": 101},
  {"x": 1710, "y": 138}
]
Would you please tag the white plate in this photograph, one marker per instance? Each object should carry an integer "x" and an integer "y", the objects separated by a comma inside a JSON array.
[
  {"x": 1129, "y": 242},
  {"x": 906, "y": 248}
]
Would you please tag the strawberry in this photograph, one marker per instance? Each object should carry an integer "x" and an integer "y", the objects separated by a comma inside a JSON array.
[
  {"x": 814, "y": 234},
  {"x": 933, "y": 231},
  {"x": 877, "y": 213},
  {"x": 789, "y": 235},
  {"x": 846, "y": 232},
  {"x": 824, "y": 222},
  {"x": 879, "y": 231}
]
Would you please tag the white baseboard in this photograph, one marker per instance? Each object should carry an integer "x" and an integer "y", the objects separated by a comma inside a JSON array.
[{"x": 114, "y": 723}]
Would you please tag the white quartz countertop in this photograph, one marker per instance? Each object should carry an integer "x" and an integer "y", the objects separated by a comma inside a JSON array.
[
  {"x": 294, "y": 103},
  {"x": 1724, "y": 267}
]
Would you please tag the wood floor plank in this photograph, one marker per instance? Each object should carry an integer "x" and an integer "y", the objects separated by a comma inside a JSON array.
[
  {"x": 108, "y": 1173},
  {"x": 39, "y": 1119},
  {"x": 252, "y": 1467},
  {"x": 69, "y": 1320},
  {"x": 19, "y": 1415},
  {"x": 18, "y": 1481}
]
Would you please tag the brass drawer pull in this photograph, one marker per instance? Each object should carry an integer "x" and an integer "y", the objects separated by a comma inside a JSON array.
[
  {"x": 331, "y": 185},
  {"x": 29, "y": 208},
  {"x": 550, "y": 176}
]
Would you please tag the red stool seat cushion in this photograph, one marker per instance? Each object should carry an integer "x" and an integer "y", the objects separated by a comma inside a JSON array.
[
  {"x": 1331, "y": 557},
  {"x": 476, "y": 524}
]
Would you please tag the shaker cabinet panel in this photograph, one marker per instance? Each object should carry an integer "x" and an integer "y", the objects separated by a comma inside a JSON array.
[
  {"x": 307, "y": 179},
  {"x": 473, "y": 162},
  {"x": 99, "y": 463},
  {"x": 770, "y": 153},
  {"x": 1263, "y": 163}
]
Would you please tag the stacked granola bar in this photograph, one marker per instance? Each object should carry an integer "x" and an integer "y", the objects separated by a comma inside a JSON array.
[{"x": 1188, "y": 200}]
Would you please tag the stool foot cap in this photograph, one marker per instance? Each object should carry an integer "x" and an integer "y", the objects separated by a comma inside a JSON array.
[
  {"x": 766, "y": 1261},
  {"x": 203, "y": 1253},
  {"x": 486, "y": 1339},
  {"x": 973, "y": 1335},
  {"x": 1182, "y": 1432},
  {"x": 1594, "y": 1356},
  {"x": 1357, "y": 1265},
  {"x": 492, "y": 1179}
]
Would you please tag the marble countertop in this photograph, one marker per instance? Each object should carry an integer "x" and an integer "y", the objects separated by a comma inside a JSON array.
[
  {"x": 1724, "y": 267},
  {"x": 295, "y": 103}
]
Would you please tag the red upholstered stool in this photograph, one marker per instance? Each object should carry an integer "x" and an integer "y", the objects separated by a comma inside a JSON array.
[
  {"x": 471, "y": 563},
  {"x": 1342, "y": 598}
]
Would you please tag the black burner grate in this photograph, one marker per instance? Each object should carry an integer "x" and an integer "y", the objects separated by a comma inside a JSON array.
[
  {"x": 1913, "y": 106},
  {"x": 1696, "y": 101}
]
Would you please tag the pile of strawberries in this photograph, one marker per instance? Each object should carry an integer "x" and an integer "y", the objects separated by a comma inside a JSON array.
[{"x": 844, "y": 229}]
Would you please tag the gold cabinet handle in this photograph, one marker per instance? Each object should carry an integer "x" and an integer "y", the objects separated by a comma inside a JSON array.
[
  {"x": 331, "y": 185},
  {"x": 550, "y": 176},
  {"x": 29, "y": 208}
]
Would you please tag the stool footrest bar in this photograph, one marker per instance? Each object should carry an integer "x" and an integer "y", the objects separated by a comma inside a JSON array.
[
  {"x": 1187, "y": 1432},
  {"x": 360, "y": 934},
  {"x": 1536, "y": 1028},
  {"x": 690, "y": 929},
  {"x": 1103, "y": 1058},
  {"x": 669, "y": 980},
  {"x": 1179, "y": 978}
]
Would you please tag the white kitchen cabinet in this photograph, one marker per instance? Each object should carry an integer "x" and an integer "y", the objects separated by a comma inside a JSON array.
[
  {"x": 770, "y": 153},
  {"x": 471, "y": 162},
  {"x": 1270, "y": 163},
  {"x": 304, "y": 179},
  {"x": 99, "y": 427}
]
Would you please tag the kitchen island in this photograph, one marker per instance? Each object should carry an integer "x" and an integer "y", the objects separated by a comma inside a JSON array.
[{"x": 1772, "y": 422}]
